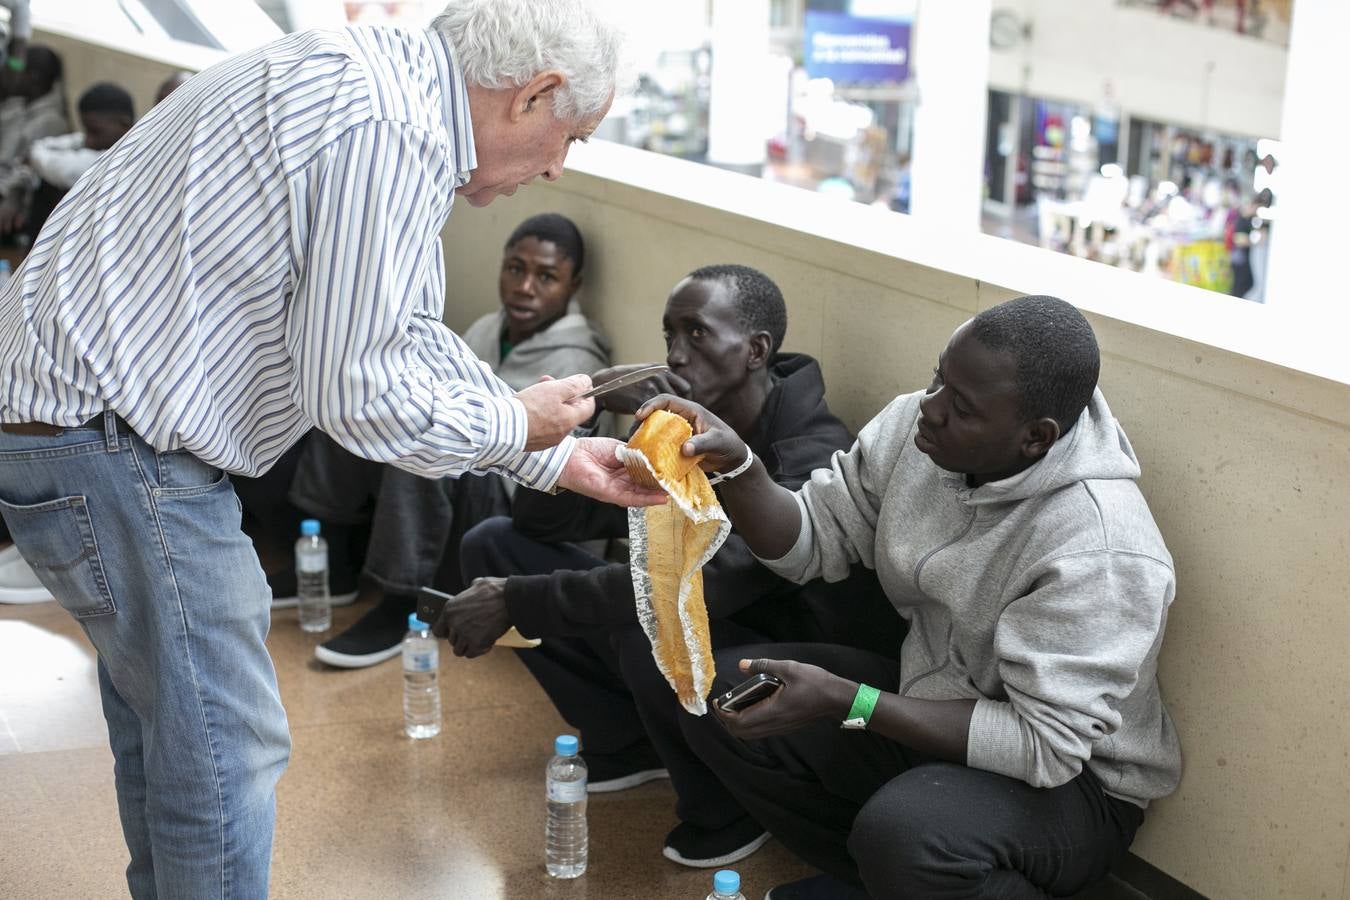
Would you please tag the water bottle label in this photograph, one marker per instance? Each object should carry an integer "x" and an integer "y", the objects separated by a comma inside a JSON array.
[
  {"x": 419, "y": 662},
  {"x": 567, "y": 791}
]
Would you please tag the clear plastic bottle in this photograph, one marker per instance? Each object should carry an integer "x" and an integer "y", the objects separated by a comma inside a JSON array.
[
  {"x": 5, "y": 273},
  {"x": 421, "y": 693},
  {"x": 565, "y": 844},
  {"x": 726, "y": 886},
  {"x": 311, "y": 578}
]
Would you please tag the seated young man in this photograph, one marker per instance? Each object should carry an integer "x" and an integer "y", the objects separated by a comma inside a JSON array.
[
  {"x": 1018, "y": 734},
  {"x": 415, "y": 523},
  {"x": 723, "y": 326},
  {"x": 33, "y": 105},
  {"x": 30, "y": 192}
]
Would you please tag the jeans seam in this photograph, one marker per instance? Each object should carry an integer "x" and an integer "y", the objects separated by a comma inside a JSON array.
[{"x": 192, "y": 666}]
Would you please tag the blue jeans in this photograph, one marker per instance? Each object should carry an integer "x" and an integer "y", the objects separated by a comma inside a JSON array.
[{"x": 144, "y": 549}]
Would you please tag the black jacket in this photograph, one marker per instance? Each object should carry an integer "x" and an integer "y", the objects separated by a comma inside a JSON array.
[{"x": 796, "y": 433}]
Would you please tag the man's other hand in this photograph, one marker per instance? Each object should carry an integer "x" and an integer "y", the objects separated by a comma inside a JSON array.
[
  {"x": 722, "y": 448},
  {"x": 474, "y": 618},
  {"x": 553, "y": 411},
  {"x": 626, "y": 400},
  {"x": 595, "y": 471}
]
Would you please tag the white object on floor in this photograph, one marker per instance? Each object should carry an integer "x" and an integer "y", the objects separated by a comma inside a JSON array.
[{"x": 18, "y": 584}]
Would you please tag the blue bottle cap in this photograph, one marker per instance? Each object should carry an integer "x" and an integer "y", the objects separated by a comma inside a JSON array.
[
  {"x": 565, "y": 745},
  {"x": 4, "y": 265},
  {"x": 309, "y": 527},
  {"x": 726, "y": 882},
  {"x": 416, "y": 624}
]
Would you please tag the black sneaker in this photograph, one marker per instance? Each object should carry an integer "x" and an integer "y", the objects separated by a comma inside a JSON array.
[
  {"x": 622, "y": 770},
  {"x": 700, "y": 848},
  {"x": 342, "y": 588},
  {"x": 376, "y": 636},
  {"x": 817, "y": 887}
]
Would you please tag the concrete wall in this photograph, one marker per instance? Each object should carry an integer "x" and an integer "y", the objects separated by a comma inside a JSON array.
[{"x": 1253, "y": 496}]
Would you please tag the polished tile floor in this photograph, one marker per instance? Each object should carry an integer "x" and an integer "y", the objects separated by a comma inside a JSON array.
[{"x": 362, "y": 812}]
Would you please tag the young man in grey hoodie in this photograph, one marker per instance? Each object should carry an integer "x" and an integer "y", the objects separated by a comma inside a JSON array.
[
  {"x": 1011, "y": 748},
  {"x": 415, "y": 523}
]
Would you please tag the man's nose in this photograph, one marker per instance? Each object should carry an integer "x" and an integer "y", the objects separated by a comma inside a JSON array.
[{"x": 929, "y": 408}]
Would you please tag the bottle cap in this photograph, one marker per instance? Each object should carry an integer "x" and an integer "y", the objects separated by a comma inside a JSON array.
[
  {"x": 4, "y": 265},
  {"x": 726, "y": 882},
  {"x": 309, "y": 527},
  {"x": 416, "y": 624},
  {"x": 565, "y": 745}
]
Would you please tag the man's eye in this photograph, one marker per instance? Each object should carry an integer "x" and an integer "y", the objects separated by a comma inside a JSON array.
[
  {"x": 547, "y": 277},
  {"x": 698, "y": 332}
]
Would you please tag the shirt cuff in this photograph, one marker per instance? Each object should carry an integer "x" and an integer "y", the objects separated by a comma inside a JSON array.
[
  {"x": 792, "y": 564},
  {"x": 507, "y": 440},
  {"x": 995, "y": 742}
]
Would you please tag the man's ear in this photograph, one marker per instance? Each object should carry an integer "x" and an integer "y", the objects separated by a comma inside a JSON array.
[
  {"x": 532, "y": 93},
  {"x": 761, "y": 346},
  {"x": 1039, "y": 436}
]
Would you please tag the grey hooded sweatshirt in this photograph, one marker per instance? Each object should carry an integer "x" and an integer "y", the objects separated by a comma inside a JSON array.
[
  {"x": 569, "y": 346},
  {"x": 1043, "y": 597}
]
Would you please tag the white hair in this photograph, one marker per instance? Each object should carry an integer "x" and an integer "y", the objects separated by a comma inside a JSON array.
[{"x": 505, "y": 43}]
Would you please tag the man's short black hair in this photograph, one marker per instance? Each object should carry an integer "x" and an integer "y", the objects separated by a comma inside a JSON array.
[
  {"x": 759, "y": 302},
  {"x": 106, "y": 97},
  {"x": 45, "y": 63},
  {"x": 558, "y": 230},
  {"x": 1055, "y": 352}
]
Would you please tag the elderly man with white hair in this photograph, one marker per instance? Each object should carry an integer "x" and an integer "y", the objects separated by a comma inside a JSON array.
[{"x": 259, "y": 255}]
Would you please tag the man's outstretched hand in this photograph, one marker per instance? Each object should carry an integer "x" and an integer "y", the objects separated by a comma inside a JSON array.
[
  {"x": 475, "y": 617},
  {"x": 595, "y": 471},
  {"x": 553, "y": 411}
]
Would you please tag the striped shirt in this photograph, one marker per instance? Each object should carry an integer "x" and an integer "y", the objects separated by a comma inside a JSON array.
[{"x": 261, "y": 254}]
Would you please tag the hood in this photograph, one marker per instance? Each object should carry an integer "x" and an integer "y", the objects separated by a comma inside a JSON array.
[
  {"x": 572, "y": 331},
  {"x": 1094, "y": 449}
]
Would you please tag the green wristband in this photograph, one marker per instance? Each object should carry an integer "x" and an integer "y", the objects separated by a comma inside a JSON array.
[
  {"x": 864, "y": 702},
  {"x": 17, "y": 63}
]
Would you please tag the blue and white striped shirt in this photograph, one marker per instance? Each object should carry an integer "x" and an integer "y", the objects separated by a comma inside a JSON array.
[{"x": 261, "y": 253}]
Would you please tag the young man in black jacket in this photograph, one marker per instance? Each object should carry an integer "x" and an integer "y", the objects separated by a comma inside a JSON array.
[{"x": 723, "y": 327}]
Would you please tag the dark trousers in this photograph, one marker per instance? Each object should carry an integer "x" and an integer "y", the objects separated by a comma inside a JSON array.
[
  {"x": 868, "y": 810},
  {"x": 416, "y": 524},
  {"x": 606, "y": 683}
]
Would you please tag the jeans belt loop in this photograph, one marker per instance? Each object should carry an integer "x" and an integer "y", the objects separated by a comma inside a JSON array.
[{"x": 110, "y": 429}]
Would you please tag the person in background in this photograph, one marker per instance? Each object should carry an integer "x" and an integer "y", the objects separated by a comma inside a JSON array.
[
  {"x": 20, "y": 32},
  {"x": 258, "y": 257},
  {"x": 1010, "y": 746},
  {"x": 31, "y": 191},
  {"x": 34, "y": 104},
  {"x": 724, "y": 327},
  {"x": 171, "y": 84},
  {"x": 414, "y": 524}
]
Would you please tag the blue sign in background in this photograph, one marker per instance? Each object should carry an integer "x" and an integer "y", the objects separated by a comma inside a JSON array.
[{"x": 852, "y": 49}]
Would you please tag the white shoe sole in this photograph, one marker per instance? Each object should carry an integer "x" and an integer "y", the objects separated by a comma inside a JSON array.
[
  {"x": 353, "y": 661},
  {"x": 335, "y": 600},
  {"x": 718, "y": 862},
  {"x": 23, "y": 596},
  {"x": 626, "y": 782}
]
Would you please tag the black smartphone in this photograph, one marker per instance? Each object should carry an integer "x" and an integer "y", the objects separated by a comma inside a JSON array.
[
  {"x": 430, "y": 603},
  {"x": 749, "y": 692}
]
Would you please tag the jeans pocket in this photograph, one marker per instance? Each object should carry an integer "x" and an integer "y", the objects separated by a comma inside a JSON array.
[
  {"x": 57, "y": 540},
  {"x": 183, "y": 475}
]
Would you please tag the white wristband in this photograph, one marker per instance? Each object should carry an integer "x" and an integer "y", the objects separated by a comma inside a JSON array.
[{"x": 739, "y": 470}]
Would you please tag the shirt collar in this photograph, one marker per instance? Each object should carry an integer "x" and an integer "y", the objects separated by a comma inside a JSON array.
[{"x": 455, "y": 103}]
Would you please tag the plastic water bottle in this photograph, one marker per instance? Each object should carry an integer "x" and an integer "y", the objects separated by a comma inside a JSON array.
[
  {"x": 421, "y": 693},
  {"x": 726, "y": 886},
  {"x": 311, "y": 578},
  {"x": 5, "y": 272},
  {"x": 565, "y": 831}
]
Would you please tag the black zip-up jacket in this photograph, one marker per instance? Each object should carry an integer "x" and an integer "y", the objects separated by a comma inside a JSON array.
[{"x": 796, "y": 433}]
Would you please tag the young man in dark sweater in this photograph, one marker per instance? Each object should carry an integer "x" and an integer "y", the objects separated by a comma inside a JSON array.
[{"x": 723, "y": 327}]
